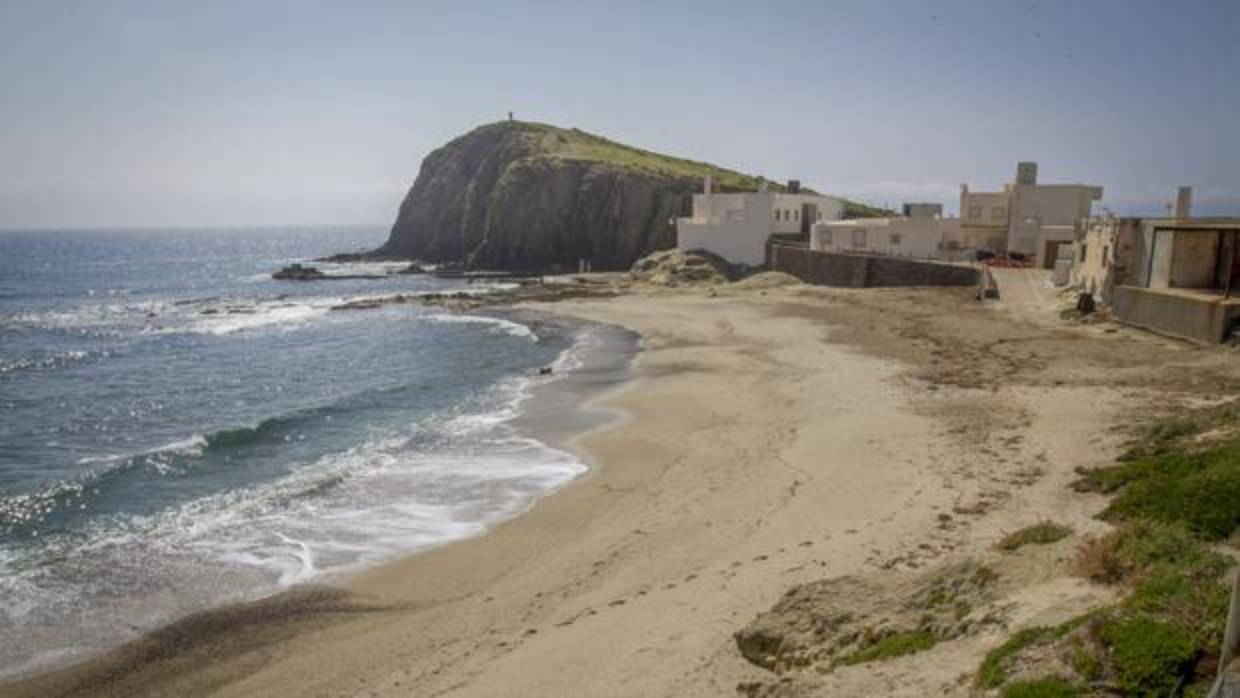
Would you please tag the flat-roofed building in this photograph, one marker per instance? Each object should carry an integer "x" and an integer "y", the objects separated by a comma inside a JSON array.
[
  {"x": 921, "y": 233},
  {"x": 1026, "y": 218},
  {"x": 737, "y": 226}
]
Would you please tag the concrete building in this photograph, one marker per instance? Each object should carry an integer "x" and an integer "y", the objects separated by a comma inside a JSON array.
[
  {"x": 1178, "y": 275},
  {"x": 737, "y": 226},
  {"x": 1106, "y": 256},
  {"x": 1026, "y": 217},
  {"x": 922, "y": 232}
]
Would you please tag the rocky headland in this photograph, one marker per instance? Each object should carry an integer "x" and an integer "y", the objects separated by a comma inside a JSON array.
[{"x": 517, "y": 195}]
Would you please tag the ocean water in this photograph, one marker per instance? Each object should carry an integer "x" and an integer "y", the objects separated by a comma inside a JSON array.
[{"x": 178, "y": 430}]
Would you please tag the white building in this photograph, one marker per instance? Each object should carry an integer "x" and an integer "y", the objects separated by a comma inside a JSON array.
[
  {"x": 1026, "y": 218},
  {"x": 921, "y": 232},
  {"x": 737, "y": 226}
]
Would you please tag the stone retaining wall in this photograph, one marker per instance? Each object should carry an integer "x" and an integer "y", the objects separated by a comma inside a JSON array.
[{"x": 866, "y": 271}]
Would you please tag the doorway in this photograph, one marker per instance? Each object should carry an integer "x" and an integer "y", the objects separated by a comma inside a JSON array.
[{"x": 809, "y": 214}]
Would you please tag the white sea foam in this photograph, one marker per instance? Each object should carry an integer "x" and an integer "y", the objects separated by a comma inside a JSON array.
[
  {"x": 515, "y": 329},
  {"x": 382, "y": 498},
  {"x": 233, "y": 318},
  {"x": 47, "y": 361}
]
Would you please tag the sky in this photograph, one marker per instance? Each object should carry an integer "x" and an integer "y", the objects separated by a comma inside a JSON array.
[{"x": 178, "y": 113}]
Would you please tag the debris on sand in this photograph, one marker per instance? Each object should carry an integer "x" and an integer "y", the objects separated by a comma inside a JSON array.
[{"x": 767, "y": 280}]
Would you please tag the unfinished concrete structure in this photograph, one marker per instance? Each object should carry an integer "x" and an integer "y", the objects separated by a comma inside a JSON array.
[
  {"x": 1178, "y": 275},
  {"x": 1106, "y": 256},
  {"x": 1026, "y": 218},
  {"x": 737, "y": 226}
]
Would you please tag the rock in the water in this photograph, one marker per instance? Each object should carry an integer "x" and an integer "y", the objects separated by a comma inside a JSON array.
[{"x": 296, "y": 272}]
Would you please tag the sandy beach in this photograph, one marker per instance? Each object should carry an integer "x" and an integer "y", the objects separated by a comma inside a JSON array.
[{"x": 770, "y": 437}]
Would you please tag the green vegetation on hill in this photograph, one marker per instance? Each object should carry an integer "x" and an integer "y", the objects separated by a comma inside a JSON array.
[{"x": 575, "y": 144}]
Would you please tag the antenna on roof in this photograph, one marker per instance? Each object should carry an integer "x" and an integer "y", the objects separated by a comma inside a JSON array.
[{"x": 510, "y": 116}]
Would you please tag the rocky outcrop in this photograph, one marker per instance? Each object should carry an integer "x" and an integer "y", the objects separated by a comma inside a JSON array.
[
  {"x": 676, "y": 268},
  {"x": 524, "y": 196}
]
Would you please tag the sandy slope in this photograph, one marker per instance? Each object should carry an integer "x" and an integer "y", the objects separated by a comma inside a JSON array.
[{"x": 775, "y": 437}]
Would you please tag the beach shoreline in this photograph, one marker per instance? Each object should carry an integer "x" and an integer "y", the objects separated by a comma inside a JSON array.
[
  {"x": 550, "y": 410},
  {"x": 772, "y": 438}
]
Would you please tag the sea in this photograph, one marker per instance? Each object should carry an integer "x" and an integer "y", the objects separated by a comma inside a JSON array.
[{"x": 179, "y": 431}]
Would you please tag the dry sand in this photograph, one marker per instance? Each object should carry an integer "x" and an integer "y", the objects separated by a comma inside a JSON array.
[{"x": 774, "y": 437}]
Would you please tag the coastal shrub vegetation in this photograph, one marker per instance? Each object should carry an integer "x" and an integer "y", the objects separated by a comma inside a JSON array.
[
  {"x": 892, "y": 646},
  {"x": 1175, "y": 501},
  {"x": 1041, "y": 533},
  {"x": 994, "y": 670},
  {"x": 1050, "y": 687},
  {"x": 1151, "y": 658}
]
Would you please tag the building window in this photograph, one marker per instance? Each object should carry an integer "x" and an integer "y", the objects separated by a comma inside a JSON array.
[
  {"x": 1106, "y": 252},
  {"x": 998, "y": 213},
  {"x": 895, "y": 238},
  {"x": 777, "y": 214},
  {"x": 1084, "y": 249},
  {"x": 858, "y": 237},
  {"x": 975, "y": 212},
  {"x": 796, "y": 215}
]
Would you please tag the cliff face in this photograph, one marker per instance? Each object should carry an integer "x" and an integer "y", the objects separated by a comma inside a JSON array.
[{"x": 517, "y": 195}]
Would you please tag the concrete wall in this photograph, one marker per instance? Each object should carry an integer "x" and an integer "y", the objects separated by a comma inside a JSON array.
[
  {"x": 1202, "y": 317},
  {"x": 866, "y": 271},
  {"x": 1193, "y": 258}
]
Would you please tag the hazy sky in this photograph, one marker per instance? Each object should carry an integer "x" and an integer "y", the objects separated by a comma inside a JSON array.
[{"x": 233, "y": 113}]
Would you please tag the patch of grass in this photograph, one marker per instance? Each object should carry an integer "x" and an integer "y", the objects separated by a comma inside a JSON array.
[
  {"x": 1198, "y": 489},
  {"x": 1192, "y": 597},
  {"x": 994, "y": 669},
  {"x": 893, "y": 646},
  {"x": 1141, "y": 547},
  {"x": 1041, "y": 533},
  {"x": 1050, "y": 687},
  {"x": 1085, "y": 661},
  {"x": 1151, "y": 658}
]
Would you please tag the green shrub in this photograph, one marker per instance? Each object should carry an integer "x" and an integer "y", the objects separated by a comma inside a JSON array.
[
  {"x": 1041, "y": 533},
  {"x": 1086, "y": 662},
  {"x": 893, "y": 646},
  {"x": 1050, "y": 687},
  {"x": 1194, "y": 598},
  {"x": 1151, "y": 658},
  {"x": 993, "y": 671},
  {"x": 1199, "y": 490}
]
